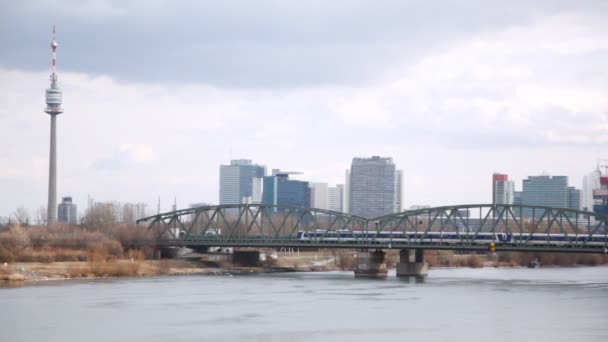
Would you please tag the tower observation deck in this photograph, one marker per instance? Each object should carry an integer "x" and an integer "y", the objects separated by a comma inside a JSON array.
[{"x": 54, "y": 94}]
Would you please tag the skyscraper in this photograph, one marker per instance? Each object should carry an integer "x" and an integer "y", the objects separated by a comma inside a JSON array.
[
  {"x": 548, "y": 191},
  {"x": 374, "y": 187},
  {"x": 327, "y": 197},
  {"x": 335, "y": 198},
  {"x": 504, "y": 192},
  {"x": 590, "y": 182},
  {"x": 574, "y": 198},
  {"x": 67, "y": 211},
  {"x": 53, "y": 108},
  {"x": 517, "y": 198},
  {"x": 398, "y": 190},
  {"x": 319, "y": 194},
  {"x": 346, "y": 194},
  {"x": 241, "y": 182},
  {"x": 496, "y": 177},
  {"x": 280, "y": 190}
]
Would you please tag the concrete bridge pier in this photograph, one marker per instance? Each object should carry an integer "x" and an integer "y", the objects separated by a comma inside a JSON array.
[
  {"x": 246, "y": 258},
  {"x": 411, "y": 263},
  {"x": 371, "y": 264}
]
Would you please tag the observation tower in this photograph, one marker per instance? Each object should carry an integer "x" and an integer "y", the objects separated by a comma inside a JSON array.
[{"x": 53, "y": 108}]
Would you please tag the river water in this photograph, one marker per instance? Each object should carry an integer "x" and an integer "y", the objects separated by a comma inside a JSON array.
[{"x": 490, "y": 304}]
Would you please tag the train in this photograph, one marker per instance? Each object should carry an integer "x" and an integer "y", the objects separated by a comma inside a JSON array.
[{"x": 499, "y": 238}]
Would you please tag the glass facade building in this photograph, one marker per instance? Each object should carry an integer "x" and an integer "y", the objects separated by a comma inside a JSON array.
[
  {"x": 280, "y": 190},
  {"x": 67, "y": 212},
  {"x": 549, "y": 192},
  {"x": 574, "y": 198},
  {"x": 241, "y": 182}
]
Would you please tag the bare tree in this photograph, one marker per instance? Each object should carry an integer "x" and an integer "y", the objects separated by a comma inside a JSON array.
[
  {"x": 21, "y": 216},
  {"x": 100, "y": 216},
  {"x": 41, "y": 216}
]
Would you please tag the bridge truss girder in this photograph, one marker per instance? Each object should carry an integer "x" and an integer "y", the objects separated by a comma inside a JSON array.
[{"x": 259, "y": 225}]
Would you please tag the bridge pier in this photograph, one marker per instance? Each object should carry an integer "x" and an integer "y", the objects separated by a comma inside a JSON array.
[
  {"x": 371, "y": 264},
  {"x": 246, "y": 258},
  {"x": 411, "y": 263}
]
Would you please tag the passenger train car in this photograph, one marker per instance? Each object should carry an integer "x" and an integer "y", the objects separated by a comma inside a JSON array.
[{"x": 499, "y": 238}]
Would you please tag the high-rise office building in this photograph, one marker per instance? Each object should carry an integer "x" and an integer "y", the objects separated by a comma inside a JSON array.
[
  {"x": 600, "y": 196},
  {"x": 280, "y": 190},
  {"x": 496, "y": 177},
  {"x": 67, "y": 212},
  {"x": 590, "y": 182},
  {"x": 335, "y": 198},
  {"x": 374, "y": 187},
  {"x": 241, "y": 182},
  {"x": 398, "y": 190},
  {"x": 517, "y": 198},
  {"x": 548, "y": 191},
  {"x": 574, "y": 198},
  {"x": 319, "y": 194},
  {"x": 517, "y": 195},
  {"x": 504, "y": 192},
  {"x": 346, "y": 194},
  {"x": 326, "y": 197}
]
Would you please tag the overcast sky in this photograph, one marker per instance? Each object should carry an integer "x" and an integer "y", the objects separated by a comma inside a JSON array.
[{"x": 158, "y": 94}]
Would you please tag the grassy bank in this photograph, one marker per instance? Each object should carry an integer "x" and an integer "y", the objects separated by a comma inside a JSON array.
[
  {"x": 70, "y": 243},
  {"x": 33, "y": 271}
]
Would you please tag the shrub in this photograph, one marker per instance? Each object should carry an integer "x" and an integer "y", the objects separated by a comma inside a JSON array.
[
  {"x": 346, "y": 261},
  {"x": 474, "y": 261},
  {"x": 136, "y": 254}
]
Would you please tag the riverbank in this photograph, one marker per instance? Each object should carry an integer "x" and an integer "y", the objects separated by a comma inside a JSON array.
[
  {"x": 33, "y": 271},
  {"x": 36, "y": 271}
]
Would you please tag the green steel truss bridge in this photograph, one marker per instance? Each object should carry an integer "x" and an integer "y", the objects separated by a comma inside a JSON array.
[{"x": 473, "y": 227}]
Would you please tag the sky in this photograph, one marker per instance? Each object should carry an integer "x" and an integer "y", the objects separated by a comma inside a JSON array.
[{"x": 158, "y": 94}]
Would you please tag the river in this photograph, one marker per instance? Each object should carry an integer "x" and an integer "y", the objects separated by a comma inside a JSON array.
[{"x": 489, "y": 304}]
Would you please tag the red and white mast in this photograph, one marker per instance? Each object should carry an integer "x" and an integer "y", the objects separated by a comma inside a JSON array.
[{"x": 54, "y": 48}]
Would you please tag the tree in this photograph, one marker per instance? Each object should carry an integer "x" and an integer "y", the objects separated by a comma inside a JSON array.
[
  {"x": 100, "y": 216},
  {"x": 21, "y": 216},
  {"x": 41, "y": 216}
]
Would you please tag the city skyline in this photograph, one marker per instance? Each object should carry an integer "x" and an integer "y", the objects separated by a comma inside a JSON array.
[
  {"x": 504, "y": 188},
  {"x": 520, "y": 95}
]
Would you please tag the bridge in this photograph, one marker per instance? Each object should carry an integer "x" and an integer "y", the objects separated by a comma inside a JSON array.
[{"x": 474, "y": 227}]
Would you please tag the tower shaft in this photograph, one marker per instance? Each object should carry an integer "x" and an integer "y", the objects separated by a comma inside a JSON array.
[{"x": 52, "y": 203}]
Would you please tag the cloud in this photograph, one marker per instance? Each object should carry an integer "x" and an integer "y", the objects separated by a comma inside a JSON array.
[
  {"x": 246, "y": 44},
  {"x": 491, "y": 97},
  {"x": 485, "y": 90},
  {"x": 126, "y": 155}
]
